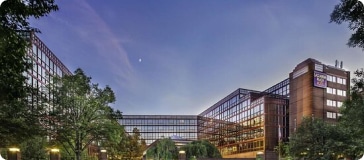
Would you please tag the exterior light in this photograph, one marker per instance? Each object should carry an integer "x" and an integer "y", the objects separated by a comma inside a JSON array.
[
  {"x": 54, "y": 150},
  {"x": 14, "y": 149},
  {"x": 103, "y": 151},
  {"x": 182, "y": 152}
]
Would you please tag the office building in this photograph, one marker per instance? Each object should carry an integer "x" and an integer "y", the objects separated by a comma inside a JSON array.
[
  {"x": 317, "y": 90},
  {"x": 154, "y": 127},
  {"x": 45, "y": 65},
  {"x": 248, "y": 122}
]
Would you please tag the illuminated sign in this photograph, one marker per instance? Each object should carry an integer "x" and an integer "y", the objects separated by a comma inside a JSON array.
[{"x": 319, "y": 79}]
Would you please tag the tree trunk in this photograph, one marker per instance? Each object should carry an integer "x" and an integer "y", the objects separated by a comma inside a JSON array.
[{"x": 78, "y": 146}]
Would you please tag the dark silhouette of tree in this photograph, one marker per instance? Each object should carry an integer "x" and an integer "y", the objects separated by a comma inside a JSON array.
[
  {"x": 18, "y": 120},
  {"x": 352, "y": 12}
]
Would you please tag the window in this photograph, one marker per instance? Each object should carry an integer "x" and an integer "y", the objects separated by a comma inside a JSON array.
[
  {"x": 331, "y": 115},
  {"x": 329, "y": 90},
  {"x": 331, "y": 103},
  {"x": 329, "y": 78},
  {"x": 339, "y": 80},
  {"x": 339, "y": 92},
  {"x": 339, "y": 104}
]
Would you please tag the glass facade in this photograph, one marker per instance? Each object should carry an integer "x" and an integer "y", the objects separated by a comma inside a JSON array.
[
  {"x": 153, "y": 127},
  {"x": 45, "y": 66},
  {"x": 244, "y": 122},
  {"x": 281, "y": 88}
]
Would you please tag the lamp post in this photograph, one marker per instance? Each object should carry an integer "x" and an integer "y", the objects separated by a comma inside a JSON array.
[
  {"x": 14, "y": 154},
  {"x": 181, "y": 155},
  {"x": 54, "y": 154},
  {"x": 103, "y": 154}
]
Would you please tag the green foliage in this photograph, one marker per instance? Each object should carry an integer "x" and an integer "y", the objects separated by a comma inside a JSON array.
[
  {"x": 18, "y": 121},
  {"x": 34, "y": 149},
  {"x": 165, "y": 149},
  {"x": 352, "y": 118},
  {"x": 201, "y": 149},
  {"x": 316, "y": 139},
  {"x": 132, "y": 146},
  {"x": 80, "y": 114},
  {"x": 351, "y": 11}
]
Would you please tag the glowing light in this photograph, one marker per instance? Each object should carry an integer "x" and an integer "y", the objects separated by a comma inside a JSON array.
[
  {"x": 55, "y": 150},
  {"x": 103, "y": 151},
  {"x": 14, "y": 149}
]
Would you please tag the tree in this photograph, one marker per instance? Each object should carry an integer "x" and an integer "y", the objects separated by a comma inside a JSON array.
[
  {"x": 18, "y": 121},
  {"x": 316, "y": 139},
  {"x": 135, "y": 146},
  {"x": 353, "y": 117},
  {"x": 201, "y": 149},
  {"x": 79, "y": 112},
  {"x": 351, "y": 11},
  {"x": 165, "y": 149},
  {"x": 34, "y": 149}
]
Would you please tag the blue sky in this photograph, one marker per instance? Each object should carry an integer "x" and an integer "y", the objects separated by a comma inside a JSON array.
[{"x": 181, "y": 57}]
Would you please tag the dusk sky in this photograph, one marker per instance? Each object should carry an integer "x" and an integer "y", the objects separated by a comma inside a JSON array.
[{"x": 180, "y": 57}]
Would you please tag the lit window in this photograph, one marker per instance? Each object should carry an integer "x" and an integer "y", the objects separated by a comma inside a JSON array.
[
  {"x": 329, "y": 90},
  {"x": 331, "y": 103},
  {"x": 339, "y": 104},
  {"x": 339, "y": 92},
  {"x": 331, "y": 115},
  {"x": 329, "y": 78},
  {"x": 339, "y": 80}
]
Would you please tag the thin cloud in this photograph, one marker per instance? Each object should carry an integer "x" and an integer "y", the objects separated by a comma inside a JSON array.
[{"x": 94, "y": 30}]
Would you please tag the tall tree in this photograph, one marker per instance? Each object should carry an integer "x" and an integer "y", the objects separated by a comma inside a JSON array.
[
  {"x": 353, "y": 117},
  {"x": 79, "y": 112},
  {"x": 316, "y": 139},
  {"x": 351, "y": 11},
  {"x": 134, "y": 145},
  {"x": 17, "y": 121}
]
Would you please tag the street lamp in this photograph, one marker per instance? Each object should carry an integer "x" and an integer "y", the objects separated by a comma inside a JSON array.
[
  {"x": 54, "y": 154},
  {"x": 182, "y": 155},
  {"x": 14, "y": 153},
  {"x": 103, "y": 154}
]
